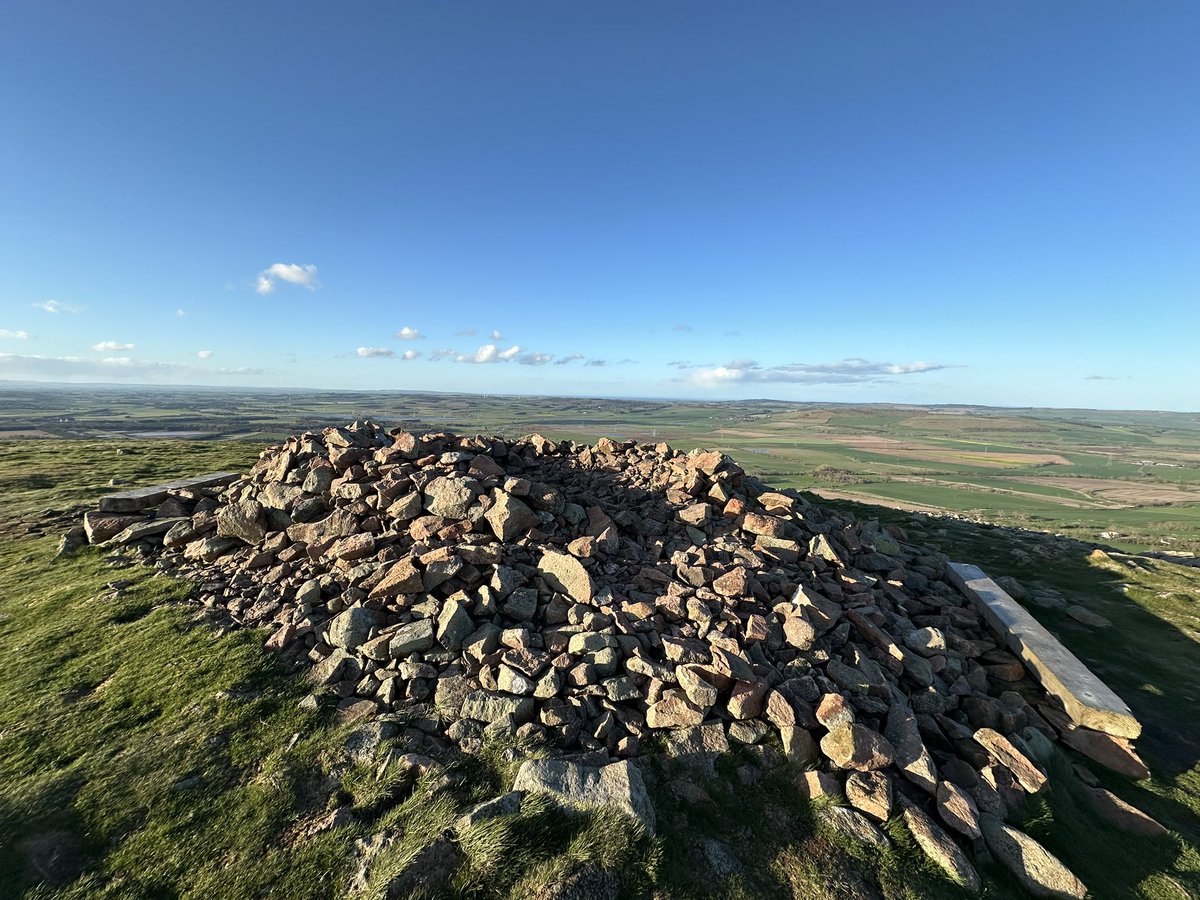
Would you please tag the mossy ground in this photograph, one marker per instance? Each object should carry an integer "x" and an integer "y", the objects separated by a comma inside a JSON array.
[{"x": 142, "y": 755}]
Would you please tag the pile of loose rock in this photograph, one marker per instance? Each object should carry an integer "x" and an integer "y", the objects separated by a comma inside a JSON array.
[{"x": 619, "y": 599}]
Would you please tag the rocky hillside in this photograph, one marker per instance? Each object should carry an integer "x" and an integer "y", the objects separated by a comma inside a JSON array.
[{"x": 617, "y": 601}]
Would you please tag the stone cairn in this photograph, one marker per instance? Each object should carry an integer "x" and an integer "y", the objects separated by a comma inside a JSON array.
[{"x": 617, "y": 599}]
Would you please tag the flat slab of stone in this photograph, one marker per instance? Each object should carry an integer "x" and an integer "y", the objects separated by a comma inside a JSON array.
[
  {"x": 1088, "y": 700},
  {"x": 143, "y": 498}
]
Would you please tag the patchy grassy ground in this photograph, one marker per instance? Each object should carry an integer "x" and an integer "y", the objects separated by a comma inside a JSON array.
[{"x": 142, "y": 755}]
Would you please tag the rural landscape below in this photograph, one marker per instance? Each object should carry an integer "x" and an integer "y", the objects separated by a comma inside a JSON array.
[{"x": 1129, "y": 479}]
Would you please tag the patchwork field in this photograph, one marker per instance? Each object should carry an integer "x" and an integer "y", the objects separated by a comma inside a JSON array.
[{"x": 1128, "y": 479}]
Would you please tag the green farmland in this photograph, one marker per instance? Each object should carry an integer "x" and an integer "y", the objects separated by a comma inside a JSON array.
[{"x": 1130, "y": 480}]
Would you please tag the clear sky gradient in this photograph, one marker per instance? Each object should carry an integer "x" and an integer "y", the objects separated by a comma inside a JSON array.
[{"x": 911, "y": 202}]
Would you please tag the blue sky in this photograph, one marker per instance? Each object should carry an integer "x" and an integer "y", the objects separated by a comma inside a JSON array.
[{"x": 922, "y": 202}]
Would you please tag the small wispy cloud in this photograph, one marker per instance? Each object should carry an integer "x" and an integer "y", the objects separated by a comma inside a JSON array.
[
  {"x": 374, "y": 352},
  {"x": 596, "y": 362},
  {"x": 443, "y": 353},
  {"x": 1101, "y": 378},
  {"x": 465, "y": 332},
  {"x": 488, "y": 353},
  {"x": 291, "y": 273},
  {"x": 58, "y": 308},
  {"x": 111, "y": 347},
  {"x": 14, "y": 335},
  {"x": 410, "y": 354},
  {"x": 179, "y": 313},
  {"x": 566, "y": 360},
  {"x": 204, "y": 354},
  {"x": 535, "y": 359},
  {"x": 682, "y": 327},
  {"x": 119, "y": 368},
  {"x": 409, "y": 334},
  {"x": 848, "y": 371},
  {"x": 496, "y": 335}
]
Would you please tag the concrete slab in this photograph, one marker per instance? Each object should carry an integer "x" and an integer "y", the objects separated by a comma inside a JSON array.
[
  {"x": 1088, "y": 700},
  {"x": 143, "y": 498}
]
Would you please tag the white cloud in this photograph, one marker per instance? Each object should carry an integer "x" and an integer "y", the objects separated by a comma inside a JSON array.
[
  {"x": 535, "y": 359},
  {"x": 111, "y": 346},
  {"x": 303, "y": 276},
  {"x": 444, "y": 353},
  {"x": 112, "y": 368},
  {"x": 682, "y": 327},
  {"x": 848, "y": 371},
  {"x": 485, "y": 354},
  {"x": 180, "y": 313},
  {"x": 564, "y": 360},
  {"x": 204, "y": 354},
  {"x": 374, "y": 352},
  {"x": 488, "y": 353},
  {"x": 57, "y": 307},
  {"x": 408, "y": 334},
  {"x": 496, "y": 335},
  {"x": 15, "y": 335},
  {"x": 596, "y": 362},
  {"x": 410, "y": 354}
]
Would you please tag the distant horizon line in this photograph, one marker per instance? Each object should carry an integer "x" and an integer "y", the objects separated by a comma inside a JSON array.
[{"x": 35, "y": 385}]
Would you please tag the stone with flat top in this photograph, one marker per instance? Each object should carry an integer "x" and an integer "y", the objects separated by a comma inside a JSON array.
[
  {"x": 1088, "y": 700},
  {"x": 144, "y": 498}
]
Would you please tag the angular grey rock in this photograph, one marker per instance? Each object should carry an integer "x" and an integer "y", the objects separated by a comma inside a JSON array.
[
  {"x": 451, "y": 497},
  {"x": 348, "y": 629},
  {"x": 870, "y": 793},
  {"x": 521, "y": 604},
  {"x": 852, "y": 824},
  {"x": 583, "y": 882},
  {"x": 942, "y": 850},
  {"x": 505, "y": 805},
  {"x": 1003, "y": 751},
  {"x": 140, "y": 531},
  {"x": 1039, "y": 871},
  {"x": 857, "y": 747},
  {"x": 912, "y": 758},
  {"x": 617, "y": 786},
  {"x": 565, "y": 574},
  {"x": 719, "y": 857},
  {"x": 957, "y": 809},
  {"x": 429, "y": 870},
  {"x": 510, "y": 518},
  {"x": 454, "y": 623},
  {"x": 72, "y": 541},
  {"x": 411, "y": 638},
  {"x": 497, "y": 708},
  {"x": 698, "y": 747},
  {"x": 245, "y": 521}
]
